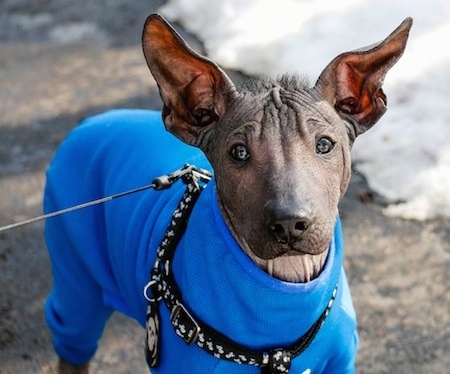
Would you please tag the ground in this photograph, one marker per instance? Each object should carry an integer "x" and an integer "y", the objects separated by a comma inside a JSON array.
[{"x": 61, "y": 61}]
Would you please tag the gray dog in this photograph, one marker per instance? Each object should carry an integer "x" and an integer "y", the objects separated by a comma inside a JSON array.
[{"x": 238, "y": 274}]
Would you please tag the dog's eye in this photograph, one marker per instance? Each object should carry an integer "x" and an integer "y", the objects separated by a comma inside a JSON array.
[
  {"x": 239, "y": 152},
  {"x": 324, "y": 145}
]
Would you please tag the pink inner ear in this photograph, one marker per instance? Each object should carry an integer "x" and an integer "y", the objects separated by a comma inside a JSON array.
[
  {"x": 199, "y": 95},
  {"x": 358, "y": 81},
  {"x": 349, "y": 105},
  {"x": 194, "y": 90},
  {"x": 352, "y": 81},
  {"x": 199, "y": 99},
  {"x": 358, "y": 89}
]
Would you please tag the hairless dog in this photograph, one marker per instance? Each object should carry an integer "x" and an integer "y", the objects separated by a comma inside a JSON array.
[{"x": 254, "y": 282}]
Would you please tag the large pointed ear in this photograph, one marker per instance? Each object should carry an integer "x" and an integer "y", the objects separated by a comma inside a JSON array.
[
  {"x": 194, "y": 90},
  {"x": 352, "y": 82}
]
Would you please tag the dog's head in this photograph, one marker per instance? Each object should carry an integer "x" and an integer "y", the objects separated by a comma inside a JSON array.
[{"x": 280, "y": 149}]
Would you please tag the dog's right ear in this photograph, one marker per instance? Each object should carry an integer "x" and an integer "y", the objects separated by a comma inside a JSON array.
[{"x": 194, "y": 90}]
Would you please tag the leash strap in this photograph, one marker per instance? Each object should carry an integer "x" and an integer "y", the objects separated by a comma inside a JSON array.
[
  {"x": 160, "y": 183},
  {"x": 162, "y": 286}
]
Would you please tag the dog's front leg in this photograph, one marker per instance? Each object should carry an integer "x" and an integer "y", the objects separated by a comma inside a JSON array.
[{"x": 66, "y": 368}]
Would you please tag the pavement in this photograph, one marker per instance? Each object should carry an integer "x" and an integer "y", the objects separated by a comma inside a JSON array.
[{"x": 61, "y": 61}]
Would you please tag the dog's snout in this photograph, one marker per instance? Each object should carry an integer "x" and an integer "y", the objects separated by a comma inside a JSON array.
[{"x": 287, "y": 225}]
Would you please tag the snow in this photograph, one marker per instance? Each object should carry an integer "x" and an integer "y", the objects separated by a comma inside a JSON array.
[{"x": 406, "y": 156}]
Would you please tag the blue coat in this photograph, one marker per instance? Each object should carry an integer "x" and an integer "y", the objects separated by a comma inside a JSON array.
[{"x": 102, "y": 255}]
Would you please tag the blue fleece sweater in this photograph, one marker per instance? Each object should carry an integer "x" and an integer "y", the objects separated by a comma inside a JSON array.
[{"x": 102, "y": 255}]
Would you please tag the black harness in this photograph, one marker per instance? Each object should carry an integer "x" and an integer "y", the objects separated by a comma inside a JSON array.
[{"x": 187, "y": 326}]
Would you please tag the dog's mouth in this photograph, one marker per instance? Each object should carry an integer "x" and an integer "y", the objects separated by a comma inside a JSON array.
[
  {"x": 292, "y": 265},
  {"x": 298, "y": 247},
  {"x": 295, "y": 262}
]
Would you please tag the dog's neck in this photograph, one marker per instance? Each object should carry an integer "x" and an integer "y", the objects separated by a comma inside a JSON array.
[{"x": 299, "y": 268}]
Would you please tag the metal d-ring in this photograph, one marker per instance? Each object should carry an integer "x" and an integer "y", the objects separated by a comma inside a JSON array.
[{"x": 146, "y": 288}]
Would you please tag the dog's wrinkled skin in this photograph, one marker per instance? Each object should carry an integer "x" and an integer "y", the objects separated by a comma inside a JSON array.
[{"x": 280, "y": 149}]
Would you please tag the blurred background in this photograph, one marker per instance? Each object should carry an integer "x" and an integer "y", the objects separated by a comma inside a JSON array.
[{"x": 62, "y": 60}]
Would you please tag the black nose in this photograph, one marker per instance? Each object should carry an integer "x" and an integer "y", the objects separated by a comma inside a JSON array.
[
  {"x": 286, "y": 230},
  {"x": 287, "y": 222}
]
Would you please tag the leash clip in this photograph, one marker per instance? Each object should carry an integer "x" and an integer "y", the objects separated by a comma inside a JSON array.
[{"x": 187, "y": 173}]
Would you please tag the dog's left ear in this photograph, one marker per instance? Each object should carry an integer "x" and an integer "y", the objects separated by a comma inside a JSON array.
[
  {"x": 194, "y": 90},
  {"x": 352, "y": 82}
]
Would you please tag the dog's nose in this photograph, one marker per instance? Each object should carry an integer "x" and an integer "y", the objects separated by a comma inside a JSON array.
[
  {"x": 285, "y": 225},
  {"x": 289, "y": 229}
]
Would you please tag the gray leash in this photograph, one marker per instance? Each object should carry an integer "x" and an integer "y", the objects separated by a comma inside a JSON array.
[{"x": 159, "y": 183}]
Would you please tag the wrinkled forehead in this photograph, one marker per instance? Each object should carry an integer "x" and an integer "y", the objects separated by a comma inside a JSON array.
[{"x": 278, "y": 108}]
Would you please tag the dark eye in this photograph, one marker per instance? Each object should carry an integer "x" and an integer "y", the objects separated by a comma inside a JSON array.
[
  {"x": 324, "y": 145},
  {"x": 239, "y": 152}
]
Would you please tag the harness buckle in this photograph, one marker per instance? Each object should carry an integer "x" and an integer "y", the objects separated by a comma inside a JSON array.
[{"x": 184, "y": 324}]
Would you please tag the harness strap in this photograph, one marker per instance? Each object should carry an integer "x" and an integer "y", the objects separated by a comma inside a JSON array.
[{"x": 188, "y": 326}]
